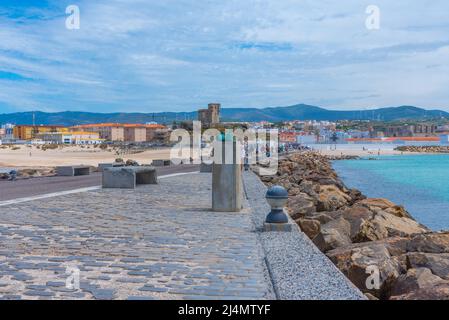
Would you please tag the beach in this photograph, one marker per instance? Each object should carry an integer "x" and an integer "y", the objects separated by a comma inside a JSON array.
[
  {"x": 358, "y": 150},
  {"x": 31, "y": 156}
]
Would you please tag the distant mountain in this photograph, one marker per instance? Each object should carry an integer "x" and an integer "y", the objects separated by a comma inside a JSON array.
[{"x": 296, "y": 112}]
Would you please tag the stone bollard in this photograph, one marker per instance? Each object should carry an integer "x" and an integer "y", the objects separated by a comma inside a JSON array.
[
  {"x": 277, "y": 219},
  {"x": 227, "y": 186}
]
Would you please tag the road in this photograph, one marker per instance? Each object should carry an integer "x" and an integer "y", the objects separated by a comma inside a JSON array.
[{"x": 43, "y": 185}]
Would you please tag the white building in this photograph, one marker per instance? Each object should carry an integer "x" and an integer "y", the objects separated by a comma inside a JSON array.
[{"x": 76, "y": 137}]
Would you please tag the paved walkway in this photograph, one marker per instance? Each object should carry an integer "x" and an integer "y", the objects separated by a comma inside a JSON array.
[
  {"x": 157, "y": 242},
  {"x": 23, "y": 188}
]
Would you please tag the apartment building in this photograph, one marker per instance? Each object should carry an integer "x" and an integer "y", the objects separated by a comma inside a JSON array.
[
  {"x": 123, "y": 132},
  {"x": 75, "y": 137},
  {"x": 29, "y": 132}
]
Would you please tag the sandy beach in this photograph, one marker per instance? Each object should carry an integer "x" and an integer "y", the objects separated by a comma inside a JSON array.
[
  {"x": 31, "y": 156},
  {"x": 358, "y": 150}
]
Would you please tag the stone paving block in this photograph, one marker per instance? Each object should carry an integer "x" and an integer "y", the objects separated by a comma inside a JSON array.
[
  {"x": 38, "y": 293},
  {"x": 137, "y": 298},
  {"x": 126, "y": 240}
]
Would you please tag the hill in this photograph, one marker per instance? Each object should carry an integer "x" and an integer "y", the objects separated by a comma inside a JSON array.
[{"x": 296, "y": 112}]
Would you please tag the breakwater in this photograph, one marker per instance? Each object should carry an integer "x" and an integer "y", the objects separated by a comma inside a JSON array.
[{"x": 358, "y": 233}]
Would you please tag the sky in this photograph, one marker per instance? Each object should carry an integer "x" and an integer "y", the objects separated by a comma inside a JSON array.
[{"x": 180, "y": 55}]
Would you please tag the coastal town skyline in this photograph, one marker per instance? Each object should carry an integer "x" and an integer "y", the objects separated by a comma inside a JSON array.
[{"x": 146, "y": 57}]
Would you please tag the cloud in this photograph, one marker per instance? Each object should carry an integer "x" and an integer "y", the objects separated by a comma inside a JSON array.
[{"x": 178, "y": 55}]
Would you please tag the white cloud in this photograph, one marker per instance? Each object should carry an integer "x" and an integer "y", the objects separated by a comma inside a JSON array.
[{"x": 137, "y": 55}]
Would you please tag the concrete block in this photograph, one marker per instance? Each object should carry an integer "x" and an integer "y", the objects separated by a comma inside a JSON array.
[
  {"x": 161, "y": 163},
  {"x": 128, "y": 177},
  {"x": 101, "y": 166},
  {"x": 71, "y": 171}
]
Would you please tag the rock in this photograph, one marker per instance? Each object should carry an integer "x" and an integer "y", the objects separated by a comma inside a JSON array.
[
  {"x": 310, "y": 227},
  {"x": 300, "y": 206},
  {"x": 415, "y": 279},
  {"x": 294, "y": 191},
  {"x": 361, "y": 229},
  {"x": 439, "y": 291},
  {"x": 385, "y": 205},
  {"x": 430, "y": 243},
  {"x": 371, "y": 297},
  {"x": 376, "y": 202},
  {"x": 369, "y": 231},
  {"x": 354, "y": 261},
  {"x": 131, "y": 163},
  {"x": 322, "y": 217},
  {"x": 310, "y": 188},
  {"x": 331, "y": 198},
  {"x": 355, "y": 195},
  {"x": 334, "y": 234},
  {"x": 398, "y": 226},
  {"x": 437, "y": 263}
]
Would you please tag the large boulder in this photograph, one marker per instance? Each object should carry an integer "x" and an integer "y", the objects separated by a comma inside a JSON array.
[
  {"x": 437, "y": 263},
  {"x": 310, "y": 188},
  {"x": 430, "y": 243},
  {"x": 322, "y": 217},
  {"x": 439, "y": 291},
  {"x": 362, "y": 230},
  {"x": 355, "y": 262},
  {"x": 385, "y": 205},
  {"x": 334, "y": 234},
  {"x": 300, "y": 206},
  {"x": 356, "y": 196},
  {"x": 331, "y": 198},
  {"x": 413, "y": 280},
  {"x": 310, "y": 227},
  {"x": 397, "y": 226}
]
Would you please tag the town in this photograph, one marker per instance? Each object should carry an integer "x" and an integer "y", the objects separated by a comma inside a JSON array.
[{"x": 295, "y": 132}]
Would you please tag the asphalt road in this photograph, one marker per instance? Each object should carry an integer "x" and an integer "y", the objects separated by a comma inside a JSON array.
[{"x": 10, "y": 190}]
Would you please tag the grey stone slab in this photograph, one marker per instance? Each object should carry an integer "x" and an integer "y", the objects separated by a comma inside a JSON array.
[
  {"x": 73, "y": 171},
  {"x": 128, "y": 177},
  {"x": 140, "y": 298},
  {"x": 38, "y": 293}
]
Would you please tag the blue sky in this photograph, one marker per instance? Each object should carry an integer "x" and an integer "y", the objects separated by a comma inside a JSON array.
[{"x": 152, "y": 56}]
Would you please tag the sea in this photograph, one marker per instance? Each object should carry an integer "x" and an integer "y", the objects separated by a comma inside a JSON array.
[{"x": 418, "y": 182}]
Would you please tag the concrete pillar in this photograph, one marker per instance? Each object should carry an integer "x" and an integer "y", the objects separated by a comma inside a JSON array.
[{"x": 227, "y": 186}]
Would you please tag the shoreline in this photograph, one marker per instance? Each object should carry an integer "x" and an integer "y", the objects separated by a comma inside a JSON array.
[
  {"x": 359, "y": 152},
  {"x": 31, "y": 157},
  {"x": 356, "y": 232}
]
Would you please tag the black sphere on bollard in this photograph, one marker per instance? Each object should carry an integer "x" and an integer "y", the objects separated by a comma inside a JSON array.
[{"x": 277, "y": 197}]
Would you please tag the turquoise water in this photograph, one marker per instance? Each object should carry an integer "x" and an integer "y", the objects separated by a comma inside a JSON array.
[{"x": 420, "y": 183}]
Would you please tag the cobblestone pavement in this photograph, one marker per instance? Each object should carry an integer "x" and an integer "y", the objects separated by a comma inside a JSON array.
[{"x": 157, "y": 242}]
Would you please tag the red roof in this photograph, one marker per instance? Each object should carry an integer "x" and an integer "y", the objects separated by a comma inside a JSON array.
[
  {"x": 125, "y": 125},
  {"x": 390, "y": 139}
]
